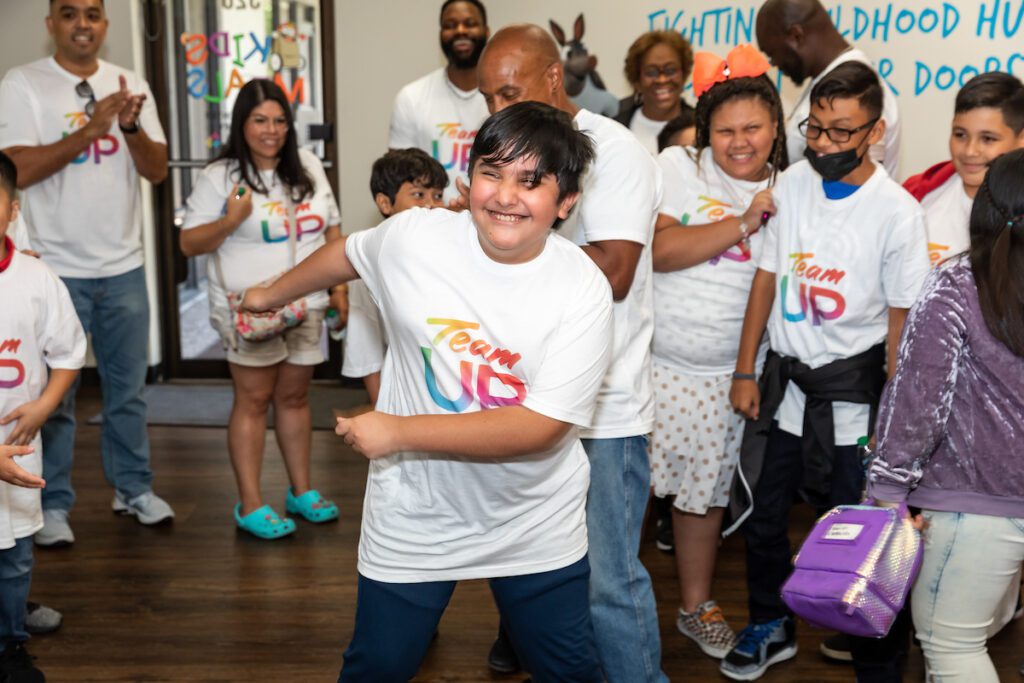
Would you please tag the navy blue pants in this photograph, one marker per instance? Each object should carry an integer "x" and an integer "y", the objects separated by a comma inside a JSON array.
[
  {"x": 547, "y": 616},
  {"x": 15, "y": 579}
]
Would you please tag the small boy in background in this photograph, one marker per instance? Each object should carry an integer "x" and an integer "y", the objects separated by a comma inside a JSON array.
[
  {"x": 400, "y": 180},
  {"x": 680, "y": 131},
  {"x": 988, "y": 120},
  {"x": 844, "y": 258},
  {"x": 38, "y": 330}
]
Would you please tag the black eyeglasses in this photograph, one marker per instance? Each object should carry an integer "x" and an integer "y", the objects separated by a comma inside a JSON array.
[
  {"x": 652, "y": 72},
  {"x": 83, "y": 89},
  {"x": 813, "y": 131}
]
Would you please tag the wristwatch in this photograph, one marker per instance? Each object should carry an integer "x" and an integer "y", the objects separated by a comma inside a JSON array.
[{"x": 129, "y": 130}]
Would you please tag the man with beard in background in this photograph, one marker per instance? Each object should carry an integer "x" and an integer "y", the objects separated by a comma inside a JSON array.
[{"x": 440, "y": 113}]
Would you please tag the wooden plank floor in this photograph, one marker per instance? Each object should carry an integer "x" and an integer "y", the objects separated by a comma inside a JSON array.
[{"x": 197, "y": 601}]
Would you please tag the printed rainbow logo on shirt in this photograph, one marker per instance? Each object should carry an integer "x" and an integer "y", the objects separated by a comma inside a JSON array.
[
  {"x": 715, "y": 210},
  {"x": 12, "y": 372},
  {"x": 821, "y": 302},
  {"x": 935, "y": 252},
  {"x": 456, "y": 142},
  {"x": 309, "y": 224},
  {"x": 492, "y": 388},
  {"x": 104, "y": 147}
]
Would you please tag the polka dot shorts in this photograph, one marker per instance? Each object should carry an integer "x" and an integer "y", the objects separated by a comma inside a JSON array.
[{"x": 696, "y": 441}]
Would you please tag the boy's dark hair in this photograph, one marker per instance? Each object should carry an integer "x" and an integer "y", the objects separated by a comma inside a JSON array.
[
  {"x": 533, "y": 129},
  {"x": 400, "y": 166},
  {"x": 475, "y": 3},
  {"x": 851, "y": 80},
  {"x": 997, "y": 249},
  {"x": 687, "y": 119},
  {"x": 997, "y": 90},
  {"x": 754, "y": 88},
  {"x": 8, "y": 176}
]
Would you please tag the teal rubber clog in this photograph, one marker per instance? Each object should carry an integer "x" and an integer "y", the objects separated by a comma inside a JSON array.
[
  {"x": 311, "y": 505},
  {"x": 264, "y": 523}
]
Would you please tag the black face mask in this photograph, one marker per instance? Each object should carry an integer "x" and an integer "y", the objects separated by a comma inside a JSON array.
[{"x": 835, "y": 166}]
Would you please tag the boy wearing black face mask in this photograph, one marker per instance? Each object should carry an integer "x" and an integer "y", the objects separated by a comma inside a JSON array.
[{"x": 843, "y": 259}]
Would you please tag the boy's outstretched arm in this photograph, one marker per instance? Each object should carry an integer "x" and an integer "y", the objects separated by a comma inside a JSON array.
[
  {"x": 32, "y": 415},
  {"x": 744, "y": 394},
  {"x": 327, "y": 266},
  {"x": 495, "y": 433},
  {"x": 12, "y": 473}
]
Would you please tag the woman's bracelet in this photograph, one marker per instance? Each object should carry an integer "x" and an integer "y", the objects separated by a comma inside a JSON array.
[{"x": 745, "y": 375}]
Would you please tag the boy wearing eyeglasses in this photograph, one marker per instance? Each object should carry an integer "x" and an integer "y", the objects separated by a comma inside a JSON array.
[
  {"x": 82, "y": 131},
  {"x": 843, "y": 259}
]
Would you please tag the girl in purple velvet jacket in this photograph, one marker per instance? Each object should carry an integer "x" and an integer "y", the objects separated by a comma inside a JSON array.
[{"x": 951, "y": 434}]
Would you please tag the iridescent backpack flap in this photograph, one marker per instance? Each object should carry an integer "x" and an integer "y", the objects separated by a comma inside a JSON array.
[{"x": 855, "y": 569}]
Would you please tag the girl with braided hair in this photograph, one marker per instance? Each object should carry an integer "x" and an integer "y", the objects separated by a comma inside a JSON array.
[{"x": 706, "y": 248}]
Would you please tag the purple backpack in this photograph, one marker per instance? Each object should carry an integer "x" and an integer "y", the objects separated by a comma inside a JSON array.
[{"x": 855, "y": 570}]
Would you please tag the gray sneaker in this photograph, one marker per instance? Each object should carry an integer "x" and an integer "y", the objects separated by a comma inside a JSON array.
[
  {"x": 56, "y": 531},
  {"x": 147, "y": 507},
  {"x": 40, "y": 619}
]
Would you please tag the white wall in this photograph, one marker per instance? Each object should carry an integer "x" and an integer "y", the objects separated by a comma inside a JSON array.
[{"x": 23, "y": 38}]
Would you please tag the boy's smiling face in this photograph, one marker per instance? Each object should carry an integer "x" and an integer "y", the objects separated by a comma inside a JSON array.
[
  {"x": 979, "y": 136},
  {"x": 513, "y": 209}
]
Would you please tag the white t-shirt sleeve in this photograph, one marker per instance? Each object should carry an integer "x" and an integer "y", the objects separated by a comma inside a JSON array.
[
  {"x": 620, "y": 200},
  {"x": 364, "y": 249},
  {"x": 678, "y": 184},
  {"x": 206, "y": 203},
  {"x": 575, "y": 361},
  {"x": 402, "y": 133},
  {"x": 905, "y": 263},
  {"x": 770, "y": 247},
  {"x": 364, "y": 342},
  {"x": 17, "y": 120},
  {"x": 61, "y": 338}
]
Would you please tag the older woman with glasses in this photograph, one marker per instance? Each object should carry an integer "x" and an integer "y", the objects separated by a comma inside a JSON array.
[{"x": 657, "y": 66}]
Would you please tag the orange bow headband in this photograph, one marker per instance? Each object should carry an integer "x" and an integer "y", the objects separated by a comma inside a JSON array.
[{"x": 743, "y": 61}]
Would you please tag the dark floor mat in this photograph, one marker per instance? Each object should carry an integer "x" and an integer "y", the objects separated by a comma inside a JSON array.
[{"x": 209, "y": 405}]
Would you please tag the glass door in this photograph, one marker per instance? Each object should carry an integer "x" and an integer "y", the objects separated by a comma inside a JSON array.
[{"x": 201, "y": 53}]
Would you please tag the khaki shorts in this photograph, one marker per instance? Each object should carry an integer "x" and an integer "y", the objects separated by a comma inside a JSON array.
[{"x": 299, "y": 345}]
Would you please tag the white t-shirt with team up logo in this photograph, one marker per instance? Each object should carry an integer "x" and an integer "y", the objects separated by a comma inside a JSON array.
[
  {"x": 258, "y": 249},
  {"x": 839, "y": 265},
  {"x": 39, "y": 329},
  {"x": 434, "y": 115},
  {"x": 86, "y": 219},
  {"x": 467, "y": 333},
  {"x": 364, "y": 341},
  {"x": 621, "y": 194},
  {"x": 698, "y": 311},
  {"x": 947, "y": 211}
]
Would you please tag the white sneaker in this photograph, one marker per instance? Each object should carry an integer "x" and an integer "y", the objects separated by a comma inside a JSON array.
[
  {"x": 148, "y": 507},
  {"x": 56, "y": 531}
]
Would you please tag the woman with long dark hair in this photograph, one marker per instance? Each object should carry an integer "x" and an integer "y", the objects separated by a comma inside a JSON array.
[
  {"x": 262, "y": 206},
  {"x": 950, "y": 430},
  {"x": 706, "y": 248}
]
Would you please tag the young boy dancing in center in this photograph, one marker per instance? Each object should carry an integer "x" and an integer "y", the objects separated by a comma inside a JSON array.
[
  {"x": 843, "y": 259},
  {"x": 499, "y": 334}
]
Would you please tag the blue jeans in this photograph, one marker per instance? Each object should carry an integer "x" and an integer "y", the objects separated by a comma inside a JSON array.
[
  {"x": 546, "y": 616},
  {"x": 15, "y": 579},
  {"x": 621, "y": 597},
  {"x": 115, "y": 311}
]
